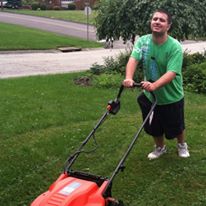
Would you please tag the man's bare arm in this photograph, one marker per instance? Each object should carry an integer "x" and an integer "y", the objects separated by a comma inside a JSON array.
[
  {"x": 163, "y": 80},
  {"x": 130, "y": 70}
]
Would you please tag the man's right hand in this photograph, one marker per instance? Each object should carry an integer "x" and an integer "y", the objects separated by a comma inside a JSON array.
[{"x": 128, "y": 83}]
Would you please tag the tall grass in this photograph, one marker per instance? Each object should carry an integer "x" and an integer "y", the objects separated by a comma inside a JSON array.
[{"x": 43, "y": 119}]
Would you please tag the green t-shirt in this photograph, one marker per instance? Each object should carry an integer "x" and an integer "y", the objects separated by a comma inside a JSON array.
[{"x": 157, "y": 60}]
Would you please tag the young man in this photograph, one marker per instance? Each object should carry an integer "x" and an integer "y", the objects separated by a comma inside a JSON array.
[{"x": 162, "y": 63}]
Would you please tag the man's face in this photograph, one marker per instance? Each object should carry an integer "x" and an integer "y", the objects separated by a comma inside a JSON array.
[{"x": 159, "y": 23}]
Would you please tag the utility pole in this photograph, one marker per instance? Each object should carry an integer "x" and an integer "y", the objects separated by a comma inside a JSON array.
[
  {"x": 2, "y": 7},
  {"x": 87, "y": 11}
]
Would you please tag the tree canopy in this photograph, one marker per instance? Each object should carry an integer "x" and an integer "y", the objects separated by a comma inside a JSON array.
[{"x": 128, "y": 18}]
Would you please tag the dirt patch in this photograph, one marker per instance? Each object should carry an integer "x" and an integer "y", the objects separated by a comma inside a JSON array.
[{"x": 83, "y": 81}]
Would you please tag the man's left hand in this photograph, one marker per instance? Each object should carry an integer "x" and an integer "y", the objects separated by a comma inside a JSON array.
[{"x": 148, "y": 86}]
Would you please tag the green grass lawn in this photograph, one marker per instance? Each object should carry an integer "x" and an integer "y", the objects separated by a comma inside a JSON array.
[
  {"x": 76, "y": 16},
  {"x": 43, "y": 119},
  {"x": 15, "y": 37}
]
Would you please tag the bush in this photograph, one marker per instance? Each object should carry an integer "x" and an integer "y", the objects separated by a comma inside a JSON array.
[
  {"x": 107, "y": 80},
  {"x": 57, "y": 8},
  {"x": 194, "y": 71},
  {"x": 195, "y": 78},
  {"x": 43, "y": 7},
  {"x": 35, "y": 6},
  {"x": 190, "y": 59},
  {"x": 122, "y": 60},
  {"x": 112, "y": 65},
  {"x": 112, "y": 72},
  {"x": 49, "y": 7},
  {"x": 71, "y": 6},
  {"x": 97, "y": 69},
  {"x": 26, "y": 7}
]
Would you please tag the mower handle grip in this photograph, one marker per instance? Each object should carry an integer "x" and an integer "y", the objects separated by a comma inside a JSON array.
[
  {"x": 135, "y": 84},
  {"x": 122, "y": 88}
]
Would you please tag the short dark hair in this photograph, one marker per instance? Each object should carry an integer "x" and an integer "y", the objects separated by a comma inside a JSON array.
[{"x": 169, "y": 17}]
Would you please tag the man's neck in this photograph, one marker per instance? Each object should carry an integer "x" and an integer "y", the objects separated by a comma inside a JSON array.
[{"x": 159, "y": 38}]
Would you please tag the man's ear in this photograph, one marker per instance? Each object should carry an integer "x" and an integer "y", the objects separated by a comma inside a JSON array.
[{"x": 169, "y": 27}]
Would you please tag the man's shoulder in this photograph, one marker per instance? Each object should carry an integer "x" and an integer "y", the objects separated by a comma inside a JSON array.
[
  {"x": 145, "y": 37},
  {"x": 143, "y": 40},
  {"x": 174, "y": 41}
]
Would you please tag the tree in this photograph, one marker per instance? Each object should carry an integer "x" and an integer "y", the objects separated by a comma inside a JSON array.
[{"x": 127, "y": 18}]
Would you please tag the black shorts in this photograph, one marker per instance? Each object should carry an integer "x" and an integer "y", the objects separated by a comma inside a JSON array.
[{"x": 167, "y": 119}]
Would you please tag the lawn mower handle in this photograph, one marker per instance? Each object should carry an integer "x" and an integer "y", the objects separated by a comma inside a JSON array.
[
  {"x": 135, "y": 84},
  {"x": 120, "y": 166},
  {"x": 113, "y": 107}
]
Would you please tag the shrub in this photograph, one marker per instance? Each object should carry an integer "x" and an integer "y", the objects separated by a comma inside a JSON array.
[
  {"x": 97, "y": 69},
  {"x": 107, "y": 80},
  {"x": 43, "y": 7},
  {"x": 49, "y": 7},
  {"x": 71, "y": 6},
  {"x": 195, "y": 58},
  {"x": 194, "y": 71},
  {"x": 195, "y": 78},
  {"x": 56, "y": 8},
  {"x": 35, "y": 6},
  {"x": 116, "y": 65},
  {"x": 26, "y": 7},
  {"x": 112, "y": 65},
  {"x": 122, "y": 60}
]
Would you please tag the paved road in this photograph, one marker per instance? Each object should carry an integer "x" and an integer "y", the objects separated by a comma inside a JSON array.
[
  {"x": 26, "y": 64},
  {"x": 52, "y": 25}
]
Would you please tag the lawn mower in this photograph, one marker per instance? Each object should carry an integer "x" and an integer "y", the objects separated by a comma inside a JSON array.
[{"x": 77, "y": 188}]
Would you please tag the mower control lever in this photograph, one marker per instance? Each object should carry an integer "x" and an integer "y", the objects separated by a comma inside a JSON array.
[{"x": 114, "y": 105}]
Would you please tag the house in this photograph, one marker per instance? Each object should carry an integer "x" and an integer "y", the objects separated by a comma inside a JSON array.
[
  {"x": 80, "y": 4},
  {"x": 64, "y": 3}
]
